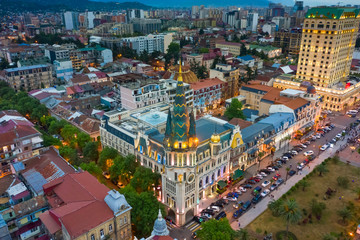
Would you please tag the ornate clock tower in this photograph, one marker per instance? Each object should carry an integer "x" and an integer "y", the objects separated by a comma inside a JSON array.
[{"x": 180, "y": 184}]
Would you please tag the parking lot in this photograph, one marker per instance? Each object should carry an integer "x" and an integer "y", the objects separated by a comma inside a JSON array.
[{"x": 340, "y": 122}]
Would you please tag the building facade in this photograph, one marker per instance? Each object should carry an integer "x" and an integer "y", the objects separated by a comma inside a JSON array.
[
  {"x": 28, "y": 78},
  {"x": 288, "y": 40},
  {"x": 228, "y": 75},
  {"x": 149, "y": 43}
]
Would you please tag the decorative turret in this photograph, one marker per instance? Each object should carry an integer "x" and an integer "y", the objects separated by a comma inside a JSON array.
[
  {"x": 180, "y": 133},
  {"x": 160, "y": 227}
]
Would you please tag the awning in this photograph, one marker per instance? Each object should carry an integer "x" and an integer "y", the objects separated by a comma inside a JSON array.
[
  {"x": 221, "y": 184},
  {"x": 268, "y": 141},
  {"x": 238, "y": 173},
  {"x": 254, "y": 150}
]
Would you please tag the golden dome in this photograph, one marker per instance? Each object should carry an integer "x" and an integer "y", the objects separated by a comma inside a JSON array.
[
  {"x": 215, "y": 138},
  {"x": 187, "y": 75}
]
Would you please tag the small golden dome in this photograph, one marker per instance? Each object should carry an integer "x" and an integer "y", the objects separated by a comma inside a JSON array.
[{"x": 215, "y": 138}]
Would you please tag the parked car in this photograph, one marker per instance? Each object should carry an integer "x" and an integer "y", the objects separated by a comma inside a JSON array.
[
  {"x": 265, "y": 193},
  {"x": 294, "y": 152},
  {"x": 256, "y": 199},
  {"x": 246, "y": 186},
  {"x": 208, "y": 211},
  {"x": 256, "y": 190},
  {"x": 288, "y": 155},
  {"x": 271, "y": 169},
  {"x": 318, "y": 136},
  {"x": 273, "y": 187},
  {"x": 324, "y": 147},
  {"x": 285, "y": 158},
  {"x": 300, "y": 166},
  {"x": 220, "y": 215},
  {"x": 279, "y": 181},
  {"x": 238, "y": 205},
  {"x": 265, "y": 183},
  {"x": 334, "y": 140},
  {"x": 231, "y": 199},
  {"x": 255, "y": 179},
  {"x": 339, "y": 135},
  {"x": 308, "y": 153},
  {"x": 303, "y": 145},
  {"x": 214, "y": 208},
  {"x": 276, "y": 177},
  {"x": 249, "y": 181},
  {"x": 246, "y": 205},
  {"x": 242, "y": 189},
  {"x": 292, "y": 172},
  {"x": 259, "y": 176},
  {"x": 264, "y": 174},
  {"x": 198, "y": 219},
  {"x": 238, "y": 213}
]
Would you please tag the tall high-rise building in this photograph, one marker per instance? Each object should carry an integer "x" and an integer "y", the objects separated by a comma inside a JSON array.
[
  {"x": 299, "y": 6},
  {"x": 71, "y": 20},
  {"x": 252, "y": 22},
  {"x": 327, "y": 45}
]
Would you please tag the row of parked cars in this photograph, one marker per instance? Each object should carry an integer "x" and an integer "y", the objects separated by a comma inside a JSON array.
[{"x": 258, "y": 194}]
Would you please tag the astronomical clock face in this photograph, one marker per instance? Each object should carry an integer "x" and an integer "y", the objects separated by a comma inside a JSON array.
[{"x": 191, "y": 178}]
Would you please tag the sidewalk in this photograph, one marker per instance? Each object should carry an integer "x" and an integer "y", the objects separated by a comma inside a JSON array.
[{"x": 253, "y": 213}]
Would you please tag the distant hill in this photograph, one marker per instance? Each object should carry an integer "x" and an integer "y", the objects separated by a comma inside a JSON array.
[
  {"x": 39, "y": 5},
  {"x": 189, "y": 3}
]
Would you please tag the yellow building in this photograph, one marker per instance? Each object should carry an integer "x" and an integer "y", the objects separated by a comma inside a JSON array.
[
  {"x": 234, "y": 48},
  {"x": 327, "y": 46}
]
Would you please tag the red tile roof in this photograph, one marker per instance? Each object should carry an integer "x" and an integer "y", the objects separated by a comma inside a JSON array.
[
  {"x": 205, "y": 83},
  {"x": 76, "y": 198}
]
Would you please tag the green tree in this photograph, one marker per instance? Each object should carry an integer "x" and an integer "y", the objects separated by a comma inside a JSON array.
[
  {"x": 145, "y": 209},
  {"x": 68, "y": 133},
  {"x": 287, "y": 173},
  {"x": 204, "y": 50},
  {"x": 144, "y": 179},
  {"x": 343, "y": 181},
  {"x": 304, "y": 184},
  {"x": 234, "y": 110},
  {"x": 56, "y": 126},
  {"x": 242, "y": 234},
  {"x": 202, "y": 72},
  {"x": 345, "y": 214},
  {"x": 92, "y": 168},
  {"x": 173, "y": 49},
  {"x": 82, "y": 138},
  {"x": 69, "y": 154},
  {"x": 4, "y": 64},
  {"x": 223, "y": 60},
  {"x": 317, "y": 208},
  {"x": 51, "y": 141},
  {"x": 216, "y": 230},
  {"x": 144, "y": 56},
  {"x": 216, "y": 61},
  {"x": 90, "y": 151},
  {"x": 243, "y": 50},
  {"x": 321, "y": 169},
  {"x": 290, "y": 212},
  {"x": 107, "y": 157},
  {"x": 275, "y": 207},
  {"x": 201, "y": 31}
]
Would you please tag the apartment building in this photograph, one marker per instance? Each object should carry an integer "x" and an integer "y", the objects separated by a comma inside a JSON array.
[
  {"x": 146, "y": 25},
  {"x": 228, "y": 75},
  {"x": 57, "y": 53},
  {"x": 149, "y": 43},
  {"x": 70, "y": 219},
  {"x": 288, "y": 40},
  {"x": 28, "y": 78},
  {"x": 208, "y": 93},
  {"x": 234, "y": 48}
]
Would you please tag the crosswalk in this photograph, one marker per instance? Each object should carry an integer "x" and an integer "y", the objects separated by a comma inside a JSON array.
[
  {"x": 193, "y": 226},
  {"x": 170, "y": 226}
]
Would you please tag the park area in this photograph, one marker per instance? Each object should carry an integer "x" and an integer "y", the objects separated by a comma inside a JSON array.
[{"x": 327, "y": 206}]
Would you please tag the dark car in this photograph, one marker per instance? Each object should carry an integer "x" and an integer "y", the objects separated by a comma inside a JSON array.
[
  {"x": 256, "y": 199},
  {"x": 246, "y": 206},
  {"x": 246, "y": 186},
  {"x": 251, "y": 181},
  {"x": 265, "y": 171},
  {"x": 220, "y": 215},
  {"x": 292, "y": 172},
  {"x": 275, "y": 167},
  {"x": 279, "y": 181},
  {"x": 289, "y": 155},
  {"x": 208, "y": 211},
  {"x": 238, "y": 213},
  {"x": 198, "y": 219},
  {"x": 257, "y": 190}
]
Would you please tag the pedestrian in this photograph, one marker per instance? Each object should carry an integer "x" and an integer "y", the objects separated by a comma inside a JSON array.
[{"x": 239, "y": 224}]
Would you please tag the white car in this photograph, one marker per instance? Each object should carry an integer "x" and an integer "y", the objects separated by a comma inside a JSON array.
[
  {"x": 318, "y": 136},
  {"x": 308, "y": 153},
  {"x": 230, "y": 199},
  {"x": 331, "y": 145},
  {"x": 271, "y": 169},
  {"x": 285, "y": 158},
  {"x": 259, "y": 176},
  {"x": 214, "y": 208},
  {"x": 242, "y": 189},
  {"x": 339, "y": 135},
  {"x": 294, "y": 152},
  {"x": 265, "y": 183},
  {"x": 303, "y": 145},
  {"x": 300, "y": 166},
  {"x": 324, "y": 147},
  {"x": 265, "y": 193},
  {"x": 264, "y": 174}
]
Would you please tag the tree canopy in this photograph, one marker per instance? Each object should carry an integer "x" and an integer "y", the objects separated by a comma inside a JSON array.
[
  {"x": 216, "y": 230},
  {"x": 234, "y": 110}
]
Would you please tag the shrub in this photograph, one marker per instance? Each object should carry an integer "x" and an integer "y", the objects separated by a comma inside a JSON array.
[
  {"x": 343, "y": 181},
  {"x": 281, "y": 235}
]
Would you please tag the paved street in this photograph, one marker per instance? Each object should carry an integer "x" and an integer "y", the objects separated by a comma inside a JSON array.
[{"x": 339, "y": 120}]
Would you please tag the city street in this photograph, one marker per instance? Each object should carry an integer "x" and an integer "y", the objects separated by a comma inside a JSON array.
[{"x": 339, "y": 120}]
